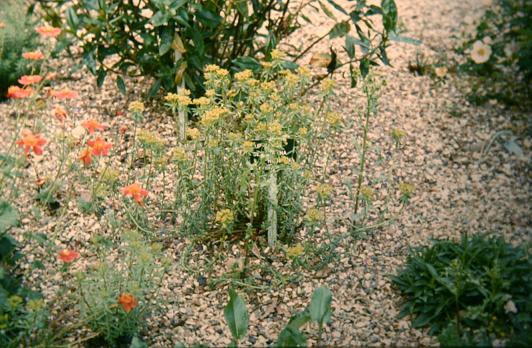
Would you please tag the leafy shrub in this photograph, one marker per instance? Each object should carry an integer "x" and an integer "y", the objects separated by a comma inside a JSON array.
[
  {"x": 505, "y": 34},
  {"x": 470, "y": 292},
  {"x": 22, "y": 311},
  {"x": 232, "y": 34},
  {"x": 16, "y": 36},
  {"x": 255, "y": 147},
  {"x": 114, "y": 294}
]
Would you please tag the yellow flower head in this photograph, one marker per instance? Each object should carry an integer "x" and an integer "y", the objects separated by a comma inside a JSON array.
[
  {"x": 248, "y": 146},
  {"x": 265, "y": 108},
  {"x": 327, "y": 85},
  {"x": 314, "y": 215},
  {"x": 243, "y": 75},
  {"x": 202, "y": 101},
  {"x": 277, "y": 54},
  {"x": 324, "y": 190},
  {"x": 295, "y": 251},
  {"x": 193, "y": 133},
  {"x": 366, "y": 192},
  {"x": 333, "y": 118},
  {"x": 212, "y": 116},
  {"x": 303, "y": 131},
  {"x": 136, "y": 106},
  {"x": 225, "y": 217},
  {"x": 406, "y": 188},
  {"x": 179, "y": 154}
]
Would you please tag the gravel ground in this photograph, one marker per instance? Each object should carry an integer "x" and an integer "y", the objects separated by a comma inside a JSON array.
[{"x": 458, "y": 189}]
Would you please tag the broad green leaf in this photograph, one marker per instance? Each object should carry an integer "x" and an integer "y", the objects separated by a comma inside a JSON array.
[
  {"x": 7, "y": 245},
  {"x": 72, "y": 19},
  {"x": 8, "y": 216},
  {"x": 339, "y": 30},
  {"x": 154, "y": 89},
  {"x": 121, "y": 84},
  {"x": 326, "y": 10},
  {"x": 320, "y": 305},
  {"x": 389, "y": 11},
  {"x": 299, "y": 319},
  {"x": 364, "y": 67},
  {"x": 336, "y": 6},
  {"x": 236, "y": 315},
  {"x": 159, "y": 18},
  {"x": 291, "y": 337},
  {"x": 394, "y": 37},
  {"x": 167, "y": 37},
  {"x": 350, "y": 46},
  {"x": 102, "y": 73}
]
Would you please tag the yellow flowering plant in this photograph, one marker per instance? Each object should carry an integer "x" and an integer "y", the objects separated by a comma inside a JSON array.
[{"x": 244, "y": 165}]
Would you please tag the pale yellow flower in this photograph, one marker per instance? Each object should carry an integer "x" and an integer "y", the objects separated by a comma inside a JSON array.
[
  {"x": 324, "y": 190},
  {"x": 243, "y": 75},
  {"x": 314, "y": 215},
  {"x": 225, "y": 217},
  {"x": 212, "y": 116},
  {"x": 481, "y": 52},
  {"x": 327, "y": 85},
  {"x": 440, "y": 71},
  {"x": 277, "y": 54},
  {"x": 248, "y": 146},
  {"x": 193, "y": 133},
  {"x": 136, "y": 106},
  {"x": 295, "y": 251}
]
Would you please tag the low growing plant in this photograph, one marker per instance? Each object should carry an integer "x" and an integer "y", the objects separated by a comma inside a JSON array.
[
  {"x": 471, "y": 292},
  {"x": 114, "y": 294}
]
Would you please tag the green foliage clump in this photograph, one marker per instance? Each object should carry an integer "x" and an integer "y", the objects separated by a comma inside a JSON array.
[
  {"x": 471, "y": 292},
  {"x": 505, "y": 29},
  {"x": 146, "y": 36},
  {"x": 136, "y": 272},
  {"x": 22, "y": 312},
  {"x": 16, "y": 36}
]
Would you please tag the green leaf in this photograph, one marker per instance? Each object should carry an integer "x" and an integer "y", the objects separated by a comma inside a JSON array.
[
  {"x": 167, "y": 37},
  {"x": 320, "y": 305},
  {"x": 299, "y": 319},
  {"x": 397, "y": 38},
  {"x": 159, "y": 18},
  {"x": 389, "y": 11},
  {"x": 291, "y": 337},
  {"x": 7, "y": 245},
  {"x": 337, "y": 7},
  {"x": 350, "y": 46},
  {"x": 8, "y": 216},
  {"x": 339, "y": 30},
  {"x": 353, "y": 75},
  {"x": 121, "y": 84},
  {"x": 236, "y": 315},
  {"x": 102, "y": 73},
  {"x": 72, "y": 19},
  {"x": 326, "y": 11},
  {"x": 154, "y": 89},
  {"x": 364, "y": 67}
]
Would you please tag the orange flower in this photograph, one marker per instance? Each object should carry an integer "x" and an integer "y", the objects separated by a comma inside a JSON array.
[
  {"x": 86, "y": 156},
  {"x": 135, "y": 191},
  {"x": 67, "y": 256},
  {"x": 59, "y": 113},
  {"x": 128, "y": 301},
  {"x": 48, "y": 31},
  {"x": 29, "y": 79},
  {"x": 34, "y": 55},
  {"x": 19, "y": 93},
  {"x": 99, "y": 147},
  {"x": 92, "y": 125},
  {"x": 31, "y": 141},
  {"x": 51, "y": 76},
  {"x": 122, "y": 129},
  {"x": 65, "y": 93}
]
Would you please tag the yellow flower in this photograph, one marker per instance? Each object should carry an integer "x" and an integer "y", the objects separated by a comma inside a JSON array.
[
  {"x": 366, "y": 192},
  {"x": 266, "y": 108},
  {"x": 268, "y": 86},
  {"x": 293, "y": 106},
  {"x": 303, "y": 71},
  {"x": 294, "y": 165},
  {"x": 152, "y": 139},
  {"x": 303, "y": 131},
  {"x": 234, "y": 136},
  {"x": 210, "y": 93},
  {"x": 249, "y": 118},
  {"x": 324, "y": 190},
  {"x": 277, "y": 54},
  {"x": 212, "y": 143},
  {"x": 295, "y": 251},
  {"x": 275, "y": 128},
  {"x": 327, "y": 85},
  {"x": 110, "y": 176},
  {"x": 266, "y": 65},
  {"x": 480, "y": 52},
  {"x": 201, "y": 101},
  {"x": 244, "y": 75},
  {"x": 248, "y": 146},
  {"x": 213, "y": 115},
  {"x": 291, "y": 79},
  {"x": 406, "y": 188},
  {"x": 225, "y": 217},
  {"x": 193, "y": 133},
  {"x": 284, "y": 160},
  {"x": 14, "y": 301},
  {"x": 333, "y": 118},
  {"x": 314, "y": 215},
  {"x": 179, "y": 154},
  {"x": 136, "y": 106},
  {"x": 34, "y": 305},
  {"x": 440, "y": 71}
]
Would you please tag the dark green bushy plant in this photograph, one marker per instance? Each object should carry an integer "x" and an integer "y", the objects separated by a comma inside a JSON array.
[
  {"x": 507, "y": 74},
  {"x": 231, "y": 34},
  {"x": 22, "y": 311},
  {"x": 470, "y": 292},
  {"x": 16, "y": 36}
]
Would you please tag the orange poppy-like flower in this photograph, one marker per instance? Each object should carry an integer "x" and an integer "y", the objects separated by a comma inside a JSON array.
[
  {"x": 122, "y": 129},
  {"x": 86, "y": 156},
  {"x": 99, "y": 147},
  {"x": 65, "y": 93},
  {"x": 31, "y": 141},
  {"x": 29, "y": 79},
  {"x": 51, "y": 76},
  {"x": 135, "y": 191},
  {"x": 16, "y": 92},
  {"x": 67, "y": 256},
  {"x": 128, "y": 301},
  {"x": 91, "y": 125},
  {"x": 59, "y": 113},
  {"x": 48, "y": 31},
  {"x": 34, "y": 55}
]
